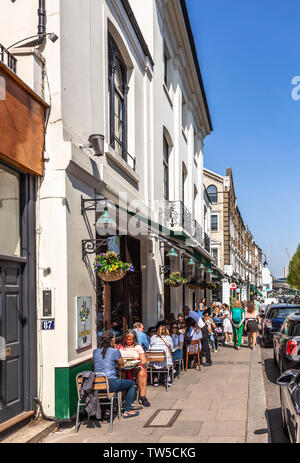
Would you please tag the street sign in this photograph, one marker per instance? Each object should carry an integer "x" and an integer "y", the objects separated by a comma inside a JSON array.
[
  {"x": 233, "y": 286},
  {"x": 47, "y": 325}
]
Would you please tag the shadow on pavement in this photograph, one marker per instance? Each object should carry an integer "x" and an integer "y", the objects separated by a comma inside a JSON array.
[
  {"x": 277, "y": 435},
  {"x": 272, "y": 371}
]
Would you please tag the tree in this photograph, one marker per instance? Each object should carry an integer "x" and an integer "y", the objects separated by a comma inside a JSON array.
[{"x": 293, "y": 278}]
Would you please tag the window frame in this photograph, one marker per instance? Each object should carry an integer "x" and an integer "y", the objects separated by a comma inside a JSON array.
[
  {"x": 212, "y": 194},
  {"x": 217, "y": 222},
  {"x": 115, "y": 59},
  {"x": 166, "y": 178}
]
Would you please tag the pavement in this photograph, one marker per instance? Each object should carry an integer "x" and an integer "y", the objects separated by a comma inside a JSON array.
[{"x": 224, "y": 403}]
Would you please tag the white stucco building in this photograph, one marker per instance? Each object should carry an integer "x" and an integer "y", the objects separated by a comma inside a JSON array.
[{"x": 128, "y": 71}]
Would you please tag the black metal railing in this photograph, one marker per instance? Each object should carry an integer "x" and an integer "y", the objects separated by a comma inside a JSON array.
[
  {"x": 198, "y": 232},
  {"x": 120, "y": 149},
  {"x": 206, "y": 242},
  {"x": 180, "y": 216},
  {"x": 8, "y": 59}
]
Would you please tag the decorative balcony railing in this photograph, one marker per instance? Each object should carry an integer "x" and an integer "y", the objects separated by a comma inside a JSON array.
[
  {"x": 119, "y": 147},
  {"x": 198, "y": 233},
  {"x": 180, "y": 216},
  {"x": 206, "y": 242},
  {"x": 8, "y": 59}
]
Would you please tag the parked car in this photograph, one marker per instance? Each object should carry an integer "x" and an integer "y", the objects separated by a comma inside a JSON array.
[
  {"x": 289, "y": 383},
  {"x": 273, "y": 319},
  {"x": 286, "y": 343}
]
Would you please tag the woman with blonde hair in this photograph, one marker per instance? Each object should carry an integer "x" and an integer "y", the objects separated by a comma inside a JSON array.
[
  {"x": 251, "y": 325},
  {"x": 237, "y": 321},
  {"x": 162, "y": 341}
]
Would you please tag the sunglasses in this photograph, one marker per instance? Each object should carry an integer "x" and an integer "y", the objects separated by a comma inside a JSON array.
[{"x": 174, "y": 327}]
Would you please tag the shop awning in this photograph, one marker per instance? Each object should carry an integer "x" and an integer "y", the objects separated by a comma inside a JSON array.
[
  {"x": 253, "y": 287},
  {"x": 180, "y": 239}
]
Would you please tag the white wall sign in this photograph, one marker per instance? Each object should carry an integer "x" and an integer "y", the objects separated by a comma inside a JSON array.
[{"x": 83, "y": 321}]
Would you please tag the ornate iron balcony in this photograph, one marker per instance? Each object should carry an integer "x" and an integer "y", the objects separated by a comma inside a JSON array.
[
  {"x": 8, "y": 59},
  {"x": 206, "y": 242},
  {"x": 198, "y": 233},
  {"x": 180, "y": 216}
]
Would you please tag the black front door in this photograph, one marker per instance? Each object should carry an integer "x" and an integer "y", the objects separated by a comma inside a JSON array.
[{"x": 11, "y": 331}]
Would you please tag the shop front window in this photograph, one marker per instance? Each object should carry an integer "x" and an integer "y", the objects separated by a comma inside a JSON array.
[{"x": 10, "y": 233}]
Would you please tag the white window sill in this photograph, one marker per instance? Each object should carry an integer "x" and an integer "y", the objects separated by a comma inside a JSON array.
[
  {"x": 121, "y": 163},
  {"x": 167, "y": 92}
]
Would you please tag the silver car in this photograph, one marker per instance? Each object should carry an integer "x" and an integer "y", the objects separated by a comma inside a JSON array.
[{"x": 289, "y": 383}]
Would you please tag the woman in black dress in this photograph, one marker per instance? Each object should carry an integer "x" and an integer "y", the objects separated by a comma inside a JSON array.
[{"x": 251, "y": 325}]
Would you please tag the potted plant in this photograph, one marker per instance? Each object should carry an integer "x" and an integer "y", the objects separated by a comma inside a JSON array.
[
  {"x": 175, "y": 280},
  {"x": 109, "y": 267}
]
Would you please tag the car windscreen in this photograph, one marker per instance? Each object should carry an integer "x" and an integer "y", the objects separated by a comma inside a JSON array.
[{"x": 281, "y": 312}]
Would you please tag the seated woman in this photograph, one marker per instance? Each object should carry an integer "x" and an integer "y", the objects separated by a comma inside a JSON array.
[
  {"x": 178, "y": 340},
  {"x": 162, "y": 341},
  {"x": 106, "y": 358},
  {"x": 194, "y": 333},
  {"x": 130, "y": 348}
]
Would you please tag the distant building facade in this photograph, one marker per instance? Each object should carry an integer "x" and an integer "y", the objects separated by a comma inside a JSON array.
[{"x": 232, "y": 244}]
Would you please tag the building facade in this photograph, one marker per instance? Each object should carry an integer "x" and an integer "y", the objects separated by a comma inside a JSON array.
[
  {"x": 232, "y": 243},
  {"x": 125, "y": 74}
]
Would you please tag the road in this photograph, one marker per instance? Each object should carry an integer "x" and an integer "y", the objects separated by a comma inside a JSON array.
[{"x": 271, "y": 373}]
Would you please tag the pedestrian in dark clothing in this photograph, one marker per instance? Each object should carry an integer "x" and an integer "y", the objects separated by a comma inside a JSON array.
[{"x": 205, "y": 351}]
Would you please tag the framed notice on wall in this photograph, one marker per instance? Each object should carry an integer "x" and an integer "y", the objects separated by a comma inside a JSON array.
[
  {"x": 83, "y": 321},
  {"x": 160, "y": 308}
]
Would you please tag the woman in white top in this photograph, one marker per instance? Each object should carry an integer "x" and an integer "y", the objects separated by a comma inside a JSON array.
[
  {"x": 162, "y": 341},
  {"x": 227, "y": 326}
]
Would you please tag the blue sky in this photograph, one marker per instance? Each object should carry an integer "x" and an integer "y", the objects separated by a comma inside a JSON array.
[{"x": 248, "y": 52}]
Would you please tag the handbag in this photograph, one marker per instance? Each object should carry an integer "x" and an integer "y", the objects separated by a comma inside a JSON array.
[{"x": 166, "y": 345}]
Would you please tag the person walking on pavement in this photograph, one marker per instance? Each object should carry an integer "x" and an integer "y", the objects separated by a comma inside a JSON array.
[
  {"x": 227, "y": 326},
  {"x": 251, "y": 325},
  {"x": 210, "y": 328},
  {"x": 205, "y": 351},
  {"x": 237, "y": 320},
  {"x": 201, "y": 307}
]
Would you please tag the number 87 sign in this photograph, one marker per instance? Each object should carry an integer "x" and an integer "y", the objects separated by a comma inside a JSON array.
[{"x": 47, "y": 325}]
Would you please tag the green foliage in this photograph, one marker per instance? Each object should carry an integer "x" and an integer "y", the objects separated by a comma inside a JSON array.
[
  {"x": 110, "y": 262},
  {"x": 232, "y": 301},
  {"x": 293, "y": 278}
]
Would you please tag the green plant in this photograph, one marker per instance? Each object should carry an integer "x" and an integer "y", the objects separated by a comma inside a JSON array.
[
  {"x": 110, "y": 262},
  {"x": 293, "y": 278},
  {"x": 175, "y": 279}
]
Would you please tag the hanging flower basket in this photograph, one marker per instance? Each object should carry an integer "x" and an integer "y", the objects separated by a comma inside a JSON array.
[
  {"x": 109, "y": 267},
  {"x": 193, "y": 284},
  {"x": 175, "y": 280},
  {"x": 203, "y": 285}
]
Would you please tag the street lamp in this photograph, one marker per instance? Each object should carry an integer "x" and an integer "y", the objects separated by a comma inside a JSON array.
[{"x": 172, "y": 253}]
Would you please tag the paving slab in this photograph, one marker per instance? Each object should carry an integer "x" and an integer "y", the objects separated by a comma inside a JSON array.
[
  {"x": 224, "y": 428},
  {"x": 213, "y": 402}
]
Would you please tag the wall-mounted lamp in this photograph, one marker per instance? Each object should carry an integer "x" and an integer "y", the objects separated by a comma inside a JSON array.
[
  {"x": 191, "y": 262},
  {"x": 97, "y": 143},
  {"x": 105, "y": 220},
  {"x": 172, "y": 253}
]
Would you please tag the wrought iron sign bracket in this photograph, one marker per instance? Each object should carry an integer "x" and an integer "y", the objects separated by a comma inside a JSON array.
[
  {"x": 91, "y": 204},
  {"x": 91, "y": 246},
  {"x": 164, "y": 269}
]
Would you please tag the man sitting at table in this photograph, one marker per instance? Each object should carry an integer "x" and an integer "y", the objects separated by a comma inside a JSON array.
[
  {"x": 106, "y": 358},
  {"x": 130, "y": 348},
  {"x": 141, "y": 336}
]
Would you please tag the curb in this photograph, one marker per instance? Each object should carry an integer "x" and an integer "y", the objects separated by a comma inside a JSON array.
[{"x": 257, "y": 419}]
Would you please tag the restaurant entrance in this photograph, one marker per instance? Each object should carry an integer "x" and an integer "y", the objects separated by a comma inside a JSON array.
[{"x": 119, "y": 304}]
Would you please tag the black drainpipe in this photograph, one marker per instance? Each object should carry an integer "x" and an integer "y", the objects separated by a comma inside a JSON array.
[{"x": 42, "y": 21}]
